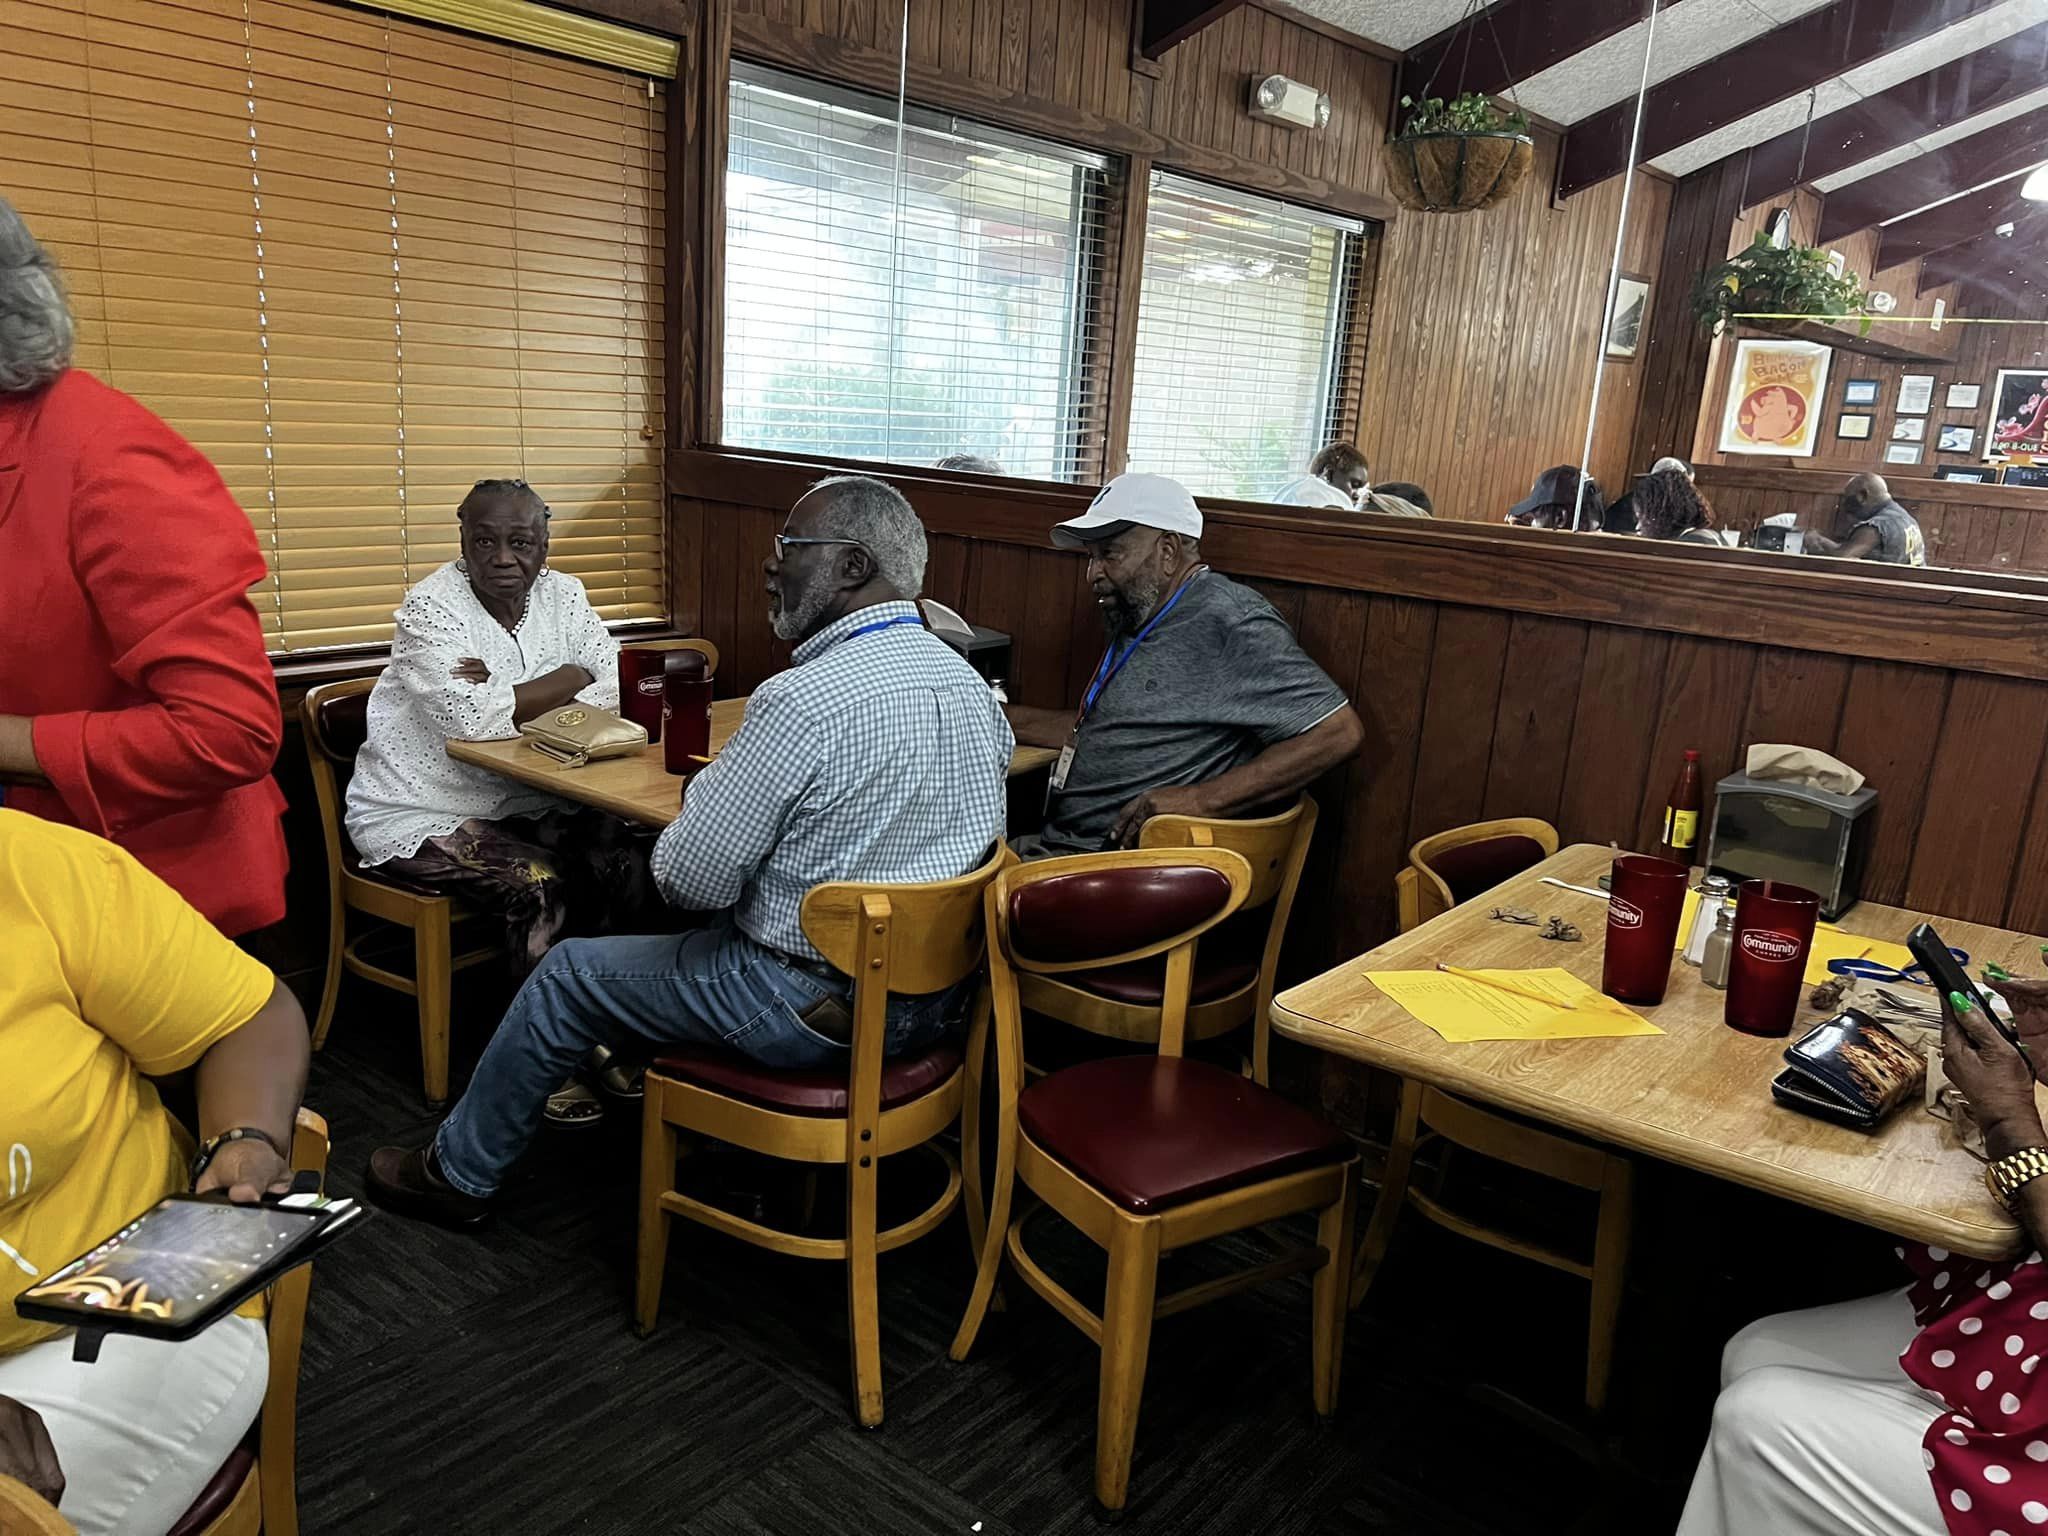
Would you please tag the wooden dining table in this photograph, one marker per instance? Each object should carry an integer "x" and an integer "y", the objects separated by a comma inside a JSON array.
[
  {"x": 1698, "y": 1095},
  {"x": 636, "y": 786}
]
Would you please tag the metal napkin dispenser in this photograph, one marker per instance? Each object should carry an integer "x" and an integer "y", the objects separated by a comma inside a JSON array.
[{"x": 1767, "y": 829}]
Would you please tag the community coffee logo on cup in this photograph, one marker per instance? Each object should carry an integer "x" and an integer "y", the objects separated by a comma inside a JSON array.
[
  {"x": 651, "y": 686},
  {"x": 1769, "y": 944},
  {"x": 1624, "y": 914}
]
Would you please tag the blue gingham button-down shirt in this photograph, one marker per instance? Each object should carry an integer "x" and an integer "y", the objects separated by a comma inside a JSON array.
[{"x": 880, "y": 755}]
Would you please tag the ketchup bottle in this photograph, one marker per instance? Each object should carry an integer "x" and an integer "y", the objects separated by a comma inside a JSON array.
[{"x": 1682, "y": 812}]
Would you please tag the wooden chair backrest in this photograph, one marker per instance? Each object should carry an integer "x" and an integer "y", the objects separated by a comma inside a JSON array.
[
  {"x": 1103, "y": 881},
  {"x": 327, "y": 762},
  {"x": 1276, "y": 847},
  {"x": 278, "y": 1431},
  {"x": 26, "y": 1513},
  {"x": 1422, "y": 892}
]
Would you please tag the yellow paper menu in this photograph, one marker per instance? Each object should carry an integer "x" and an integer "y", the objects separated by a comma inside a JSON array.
[
  {"x": 1462, "y": 1008},
  {"x": 1829, "y": 943}
]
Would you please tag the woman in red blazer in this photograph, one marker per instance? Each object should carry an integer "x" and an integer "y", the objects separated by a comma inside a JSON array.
[{"x": 135, "y": 697}]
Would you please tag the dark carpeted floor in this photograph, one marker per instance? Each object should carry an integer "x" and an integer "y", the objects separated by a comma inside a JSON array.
[{"x": 493, "y": 1383}]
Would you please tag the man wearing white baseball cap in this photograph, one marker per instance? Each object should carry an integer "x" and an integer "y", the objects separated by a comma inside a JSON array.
[{"x": 1203, "y": 704}]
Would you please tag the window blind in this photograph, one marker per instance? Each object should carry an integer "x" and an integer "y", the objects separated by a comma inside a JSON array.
[
  {"x": 909, "y": 317},
  {"x": 361, "y": 263},
  {"x": 1244, "y": 311}
]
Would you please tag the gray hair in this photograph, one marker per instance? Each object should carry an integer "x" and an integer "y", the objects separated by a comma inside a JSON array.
[
  {"x": 35, "y": 321},
  {"x": 873, "y": 514}
]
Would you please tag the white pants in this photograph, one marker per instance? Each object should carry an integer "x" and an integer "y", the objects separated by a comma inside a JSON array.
[
  {"x": 1817, "y": 1430},
  {"x": 143, "y": 1429}
]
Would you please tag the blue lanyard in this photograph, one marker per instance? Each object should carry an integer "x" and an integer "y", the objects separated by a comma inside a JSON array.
[
  {"x": 869, "y": 629},
  {"x": 1113, "y": 663}
]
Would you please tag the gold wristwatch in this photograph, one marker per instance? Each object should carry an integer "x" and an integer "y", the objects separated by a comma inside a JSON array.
[{"x": 2010, "y": 1174}]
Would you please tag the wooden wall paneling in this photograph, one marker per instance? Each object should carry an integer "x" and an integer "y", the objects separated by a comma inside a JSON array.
[
  {"x": 1619, "y": 690},
  {"x": 998, "y": 586},
  {"x": 860, "y": 23},
  {"x": 1977, "y": 796},
  {"x": 761, "y": 653},
  {"x": 1797, "y": 697},
  {"x": 1012, "y": 69},
  {"x": 1332, "y": 632},
  {"x": 686, "y": 564},
  {"x": 1890, "y": 730},
  {"x": 1456, "y": 745},
  {"x": 956, "y": 41},
  {"x": 1706, "y": 692},
  {"x": 1086, "y": 639},
  {"x": 686, "y": 230},
  {"x": 1286, "y": 598},
  {"x": 1532, "y": 728},
  {"x": 717, "y": 621},
  {"x": 1042, "y": 54},
  {"x": 945, "y": 571},
  {"x": 1039, "y": 655},
  {"x": 2026, "y": 907},
  {"x": 1121, "y": 305},
  {"x": 984, "y": 58},
  {"x": 714, "y": 89},
  {"x": 927, "y": 31},
  {"x": 1390, "y": 693}
]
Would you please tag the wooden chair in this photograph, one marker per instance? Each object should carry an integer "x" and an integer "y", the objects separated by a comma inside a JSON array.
[
  {"x": 255, "y": 1493},
  {"x": 902, "y": 939},
  {"x": 1147, "y": 1153},
  {"x": 335, "y": 719},
  {"x": 1454, "y": 866},
  {"x": 1445, "y": 871},
  {"x": 1236, "y": 967}
]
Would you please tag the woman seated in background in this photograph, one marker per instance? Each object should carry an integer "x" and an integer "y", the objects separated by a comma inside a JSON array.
[
  {"x": 111, "y": 978},
  {"x": 1562, "y": 497},
  {"x": 1921, "y": 1411},
  {"x": 482, "y": 645},
  {"x": 1668, "y": 507},
  {"x": 136, "y": 700}
]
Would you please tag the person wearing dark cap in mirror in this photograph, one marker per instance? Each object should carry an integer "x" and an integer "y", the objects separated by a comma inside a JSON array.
[
  {"x": 1555, "y": 500},
  {"x": 1878, "y": 527}
]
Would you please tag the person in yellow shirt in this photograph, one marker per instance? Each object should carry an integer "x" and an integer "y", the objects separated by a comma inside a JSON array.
[{"x": 107, "y": 979}]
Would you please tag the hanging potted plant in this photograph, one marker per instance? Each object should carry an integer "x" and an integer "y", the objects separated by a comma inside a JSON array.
[
  {"x": 1453, "y": 156},
  {"x": 1777, "y": 284}
]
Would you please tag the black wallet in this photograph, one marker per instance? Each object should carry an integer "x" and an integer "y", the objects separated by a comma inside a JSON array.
[{"x": 1851, "y": 1070}]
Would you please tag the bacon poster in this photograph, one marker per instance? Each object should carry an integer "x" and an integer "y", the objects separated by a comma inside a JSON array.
[{"x": 1775, "y": 397}]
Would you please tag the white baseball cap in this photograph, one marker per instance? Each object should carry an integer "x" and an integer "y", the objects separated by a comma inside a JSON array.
[{"x": 1150, "y": 501}]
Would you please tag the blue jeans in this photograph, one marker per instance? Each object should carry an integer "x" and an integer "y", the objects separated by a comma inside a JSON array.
[{"x": 710, "y": 986}]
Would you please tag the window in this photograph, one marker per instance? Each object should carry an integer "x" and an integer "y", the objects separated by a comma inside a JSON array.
[
  {"x": 362, "y": 264},
  {"x": 1244, "y": 320},
  {"x": 906, "y": 296}
]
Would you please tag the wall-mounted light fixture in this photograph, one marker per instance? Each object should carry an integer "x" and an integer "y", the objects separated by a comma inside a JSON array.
[{"x": 1277, "y": 99}]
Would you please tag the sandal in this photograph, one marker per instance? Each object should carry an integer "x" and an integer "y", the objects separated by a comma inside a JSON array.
[
  {"x": 574, "y": 1104},
  {"x": 617, "y": 1078}
]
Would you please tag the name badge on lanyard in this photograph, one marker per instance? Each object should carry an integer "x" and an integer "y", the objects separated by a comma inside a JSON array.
[{"x": 1112, "y": 663}]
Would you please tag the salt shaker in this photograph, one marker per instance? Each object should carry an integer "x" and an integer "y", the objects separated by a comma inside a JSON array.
[
  {"x": 1720, "y": 944},
  {"x": 1715, "y": 892}
]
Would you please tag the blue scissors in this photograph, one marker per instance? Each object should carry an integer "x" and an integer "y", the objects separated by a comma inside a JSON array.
[{"x": 1876, "y": 970}]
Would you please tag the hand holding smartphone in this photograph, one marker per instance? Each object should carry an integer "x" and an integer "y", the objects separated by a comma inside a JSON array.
[{"x": 1947, "y": 976}]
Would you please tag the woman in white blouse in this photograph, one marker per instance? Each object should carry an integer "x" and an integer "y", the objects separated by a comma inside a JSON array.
[{"x": 484, "y": 643}]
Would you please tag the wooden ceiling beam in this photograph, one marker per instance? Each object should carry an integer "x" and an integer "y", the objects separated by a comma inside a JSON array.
[
  {"x": 2009, "y": 264},
  {"x": 2010, "y": 146},
  {"x": 1511, "y": 41},
  {"x": 1785, "y": 62},
  {"x": 1162, "y": 23},
  {"x": 1955, "y": 222}
]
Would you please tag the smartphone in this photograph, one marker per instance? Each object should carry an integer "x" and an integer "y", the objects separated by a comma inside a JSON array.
[
  {"x": 1932, "y": 952},
  {"x": 182, "y": 1264}
]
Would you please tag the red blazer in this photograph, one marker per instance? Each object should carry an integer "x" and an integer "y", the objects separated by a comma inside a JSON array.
[{"x": 126, "y": 631}]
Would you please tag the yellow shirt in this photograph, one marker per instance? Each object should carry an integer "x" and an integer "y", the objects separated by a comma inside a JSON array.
[{"x": 105, "y": 974}]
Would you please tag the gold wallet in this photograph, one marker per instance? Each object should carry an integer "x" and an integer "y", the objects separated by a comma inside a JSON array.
[{"x": 577, "y": 734}]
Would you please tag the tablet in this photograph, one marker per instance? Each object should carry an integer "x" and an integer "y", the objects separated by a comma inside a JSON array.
[{"x": 184, "y": 1263}]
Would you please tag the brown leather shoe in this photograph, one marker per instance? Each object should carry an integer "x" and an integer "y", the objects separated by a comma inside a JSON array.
[{"x": 407, "y": 1182}]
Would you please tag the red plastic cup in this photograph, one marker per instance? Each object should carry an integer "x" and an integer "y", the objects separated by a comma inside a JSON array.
[
  {"x": 1642, "y": 927},
  {"x": 686, "y": 703},
  {"x": 640, "y": 673},
  {"x": 1767, "y": 965}
]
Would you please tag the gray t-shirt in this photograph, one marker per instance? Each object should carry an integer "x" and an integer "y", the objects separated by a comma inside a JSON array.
[
  {"x": 1219, "y": 681},
  {"x": 1899, "y": 539}
]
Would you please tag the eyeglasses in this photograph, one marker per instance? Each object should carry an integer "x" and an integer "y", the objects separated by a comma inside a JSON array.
[{"x": 784, "y": 544}]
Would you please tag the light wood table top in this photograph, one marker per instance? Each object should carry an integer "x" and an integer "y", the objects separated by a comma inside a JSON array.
[
  {"x": 1699, "y": 1095},
  {"x": 636, "y": 786}
]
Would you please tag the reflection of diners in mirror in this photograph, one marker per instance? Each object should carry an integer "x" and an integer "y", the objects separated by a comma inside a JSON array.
[
  {"x": 1875, "y": 527},
  {"x": 1338, "y": 476},
  {"x": 1668, "y": 507},
  {"x": 1621, "y": 512},
  {"x": 1562, "y": 497}
]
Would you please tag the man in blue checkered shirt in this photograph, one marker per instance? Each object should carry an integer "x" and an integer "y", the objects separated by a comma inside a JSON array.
[{"x": 879, "y": 756}]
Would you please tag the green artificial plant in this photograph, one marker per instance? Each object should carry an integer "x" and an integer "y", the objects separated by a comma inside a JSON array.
[
  {"x": 1470, "y": 113},
  {"x": 1764, "y": 279}
]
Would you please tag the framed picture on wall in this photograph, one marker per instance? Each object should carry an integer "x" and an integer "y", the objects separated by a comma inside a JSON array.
[
  {"x": 2026, "y": 474},
  {"x": 1631, "y": 303},
  {"x": 1860, "y": 392},
  {"x": 1916, "y": 393},
  {"x": 1852, "y": 426},
  {"x": 2019, "y": 414},
  {"x": 1774, "y": 398},
  {"x": 1957, "y": 439},
  {"x": 1962, "y": 397},
  {"x": 1976, "y": 474},
  {"x": 1902, "y": 453},
  {"x": 1912, "y": 429}
]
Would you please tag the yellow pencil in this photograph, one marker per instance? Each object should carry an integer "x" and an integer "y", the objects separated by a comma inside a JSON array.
[{"x": 1501, "y": 986}]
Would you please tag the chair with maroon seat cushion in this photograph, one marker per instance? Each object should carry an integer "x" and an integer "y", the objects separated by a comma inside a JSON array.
[
  {"x": 1452, "y": 867},
  {"x": 904, "y": 939},
  {"x": 1146, "y": 1153},
  {"x": 1235, "y": 966},
  {"x": 335, "y": 722}
]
